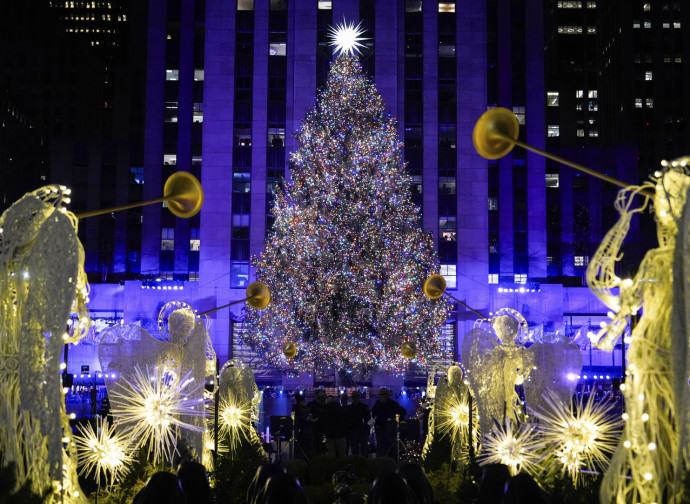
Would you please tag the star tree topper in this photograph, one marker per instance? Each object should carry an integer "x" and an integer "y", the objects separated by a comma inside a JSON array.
[{"x": 345, "y": 38}]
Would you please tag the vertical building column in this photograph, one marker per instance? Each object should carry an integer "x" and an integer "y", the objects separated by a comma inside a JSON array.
[
  {"x": 505, "y": 164},
  {"x": 349, "y": 9},
  {"x": 388, "y": 54},
  {"x": 472, "y": 175},
  {"x": 257, "y": 217},
  {"x": 535, "y": 126},
  {"x": 430, "y": 119},
  {"x": 216, "y": 173},
  {"x": 184, "y": 126},
  {"x": 153, "y": 143},
  {"x": 301, "y": 68}
]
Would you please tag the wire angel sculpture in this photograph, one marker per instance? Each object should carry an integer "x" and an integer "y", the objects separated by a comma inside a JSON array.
[
  {"x": 182, "y": 348},
  {"x": 239, "y": 405},
  {"x": 648, "y": 464},
  {"x": 499, "y": 360},
  {"x": 42, "y": 280}
]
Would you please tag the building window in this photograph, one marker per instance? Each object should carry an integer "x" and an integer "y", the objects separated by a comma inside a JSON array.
[
  {"x": 649, "y": 102},
  {"x": 276, "y": 135},
  {"x": 239, "y": 274},
  {"x": 413, "y": 5},
  {"x": 646, "y": 7},
  {"x": 136, "y": 175},
  {"x": 446, "y": 7},
  {"x": 666, "y": 25},
  {"x": 579, "y": 93},
  {"x": 647, "y": 24},
  {"x": 552, "y": 180},
  {"x": 245, "y": 4},
  {"x": 169, "y": 159},
  {"x": 277, "y": 49},
  {"x": 552, "y": 98},
  {"x": 638, "y": 102},
  {"x": 593, "y": 133},
  {"x": 448, "y": 271},
  {"x": 194, "y": 241},
  {"x": 676, "y": 24},
  {"x": 591, "y": 5},
  {"x": 581, "y": 261},
  {"x": 570, "y": 5},
  {"x": 591, "y": 30},
  {"x": 172, "y": 74},
  {"x": 199, "y": 74},
  {"x": 553, "y": 130},
  {"x": 446, "y": 185},
  {"x": 493, "y": 278},
  {"x": 592, "y": 93},
  {"x": 648, "y": 75},
  {"x": 325, "y": 5},
  {"x": 636, "y": 24},
  {"x": 168, "y": 239},
  {"x": 580, "y": 132},
  {"x": 570, "y": 30},
  {"x": 493, "y": 203},
  {"x": 520, "y": 114},
  {"x": 521, "y": 279}
]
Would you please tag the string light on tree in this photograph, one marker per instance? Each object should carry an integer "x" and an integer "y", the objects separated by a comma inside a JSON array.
[{"x": 152, "y": 406}]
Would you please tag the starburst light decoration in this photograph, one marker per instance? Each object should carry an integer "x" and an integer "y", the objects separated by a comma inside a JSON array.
[
  {"x": 102, "y": 451},
  {"x": 153, "y": 404},
  {"x": 234, "y": 418},
  {"x": 513, "y": 447},
  {"x": 582, "y": 435},
  {"x": 346, "y": 38}
]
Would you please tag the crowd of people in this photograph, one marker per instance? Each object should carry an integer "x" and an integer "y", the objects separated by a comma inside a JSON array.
[{"x": 333, "y": 425}]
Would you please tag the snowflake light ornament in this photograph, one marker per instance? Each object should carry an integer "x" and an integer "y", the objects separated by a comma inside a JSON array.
[
  {"x": 234, "y": 418},
  {"x": 583, "y": 436},
  {"x": 102, "y": 451},
  {"x": 154, "y": 405},
  {"x": 346, "y": 38},
  {"x": 513, "y": 447}
]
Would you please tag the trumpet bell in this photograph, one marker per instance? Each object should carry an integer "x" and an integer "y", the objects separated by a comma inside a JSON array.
[
  {"x": 289, "y": 350},
  {"x": 183, "y": 194},
  {"x": 435, "y": 286},
  {"x": 408, "y": 349},
  {"x": 258, "y": 295},
  {"x": 491, "y": 130}
]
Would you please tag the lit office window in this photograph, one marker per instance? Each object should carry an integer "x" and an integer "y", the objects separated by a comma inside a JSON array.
[
  {"x": 647, "y": 7},
  {"x": 169, "y": 159},
  {"x": 168, "y": 239},
  {"x": 552, "y": 180},
  {"x": 413, "y": 5},
  {"x": 194, "y": 241},
  {"x": 553, "y": 130},
  {"x": 325, "y": 5},
  {"x": 172, "y": 74},
  {"x": 521, "y": 279},
  {"x": 648, "y": 75},
  {"x": 676, "y": 24},
  {"x": 591, "y": 30},
  {"x": 593, "y": 133},
  {"x": 570, "y": 5},
  {"x": 239, "y": 274},
  {"x": 570, "y": 30},
  {"x": 245, "y": 4},
  {"x": 448, "y": 271},
  {"x": 591, "y": 5},
  {"x": 636, "y": 24},
  {"x": 592, "y": 93},
  {"x": 520, "y": 114},
  {"x": 198, "y": 114},
  {"x": 198, "y": 74},
  {"x": 580, "y": 261},
  {"x": 446, "y": 7},
  {"x": 579, "y": 93},
  {"x": 493, "y": 278},
  {"x": 493, "y": 203},
  {"x": 638, "y": 102},
  {"x": 552, "y": 98},
  {"x": 649, "y": 102},
  {"x": 647, "y": 24},
  {"x": 277, "y": 49},
  {"x": 666, "y": 25}
]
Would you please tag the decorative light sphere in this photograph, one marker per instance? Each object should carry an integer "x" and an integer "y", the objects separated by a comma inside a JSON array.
[
  {"x": 289, "y": 349},
  {"x": 408, "y": 349}
]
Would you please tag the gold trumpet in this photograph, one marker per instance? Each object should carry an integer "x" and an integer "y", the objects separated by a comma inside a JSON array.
[
  {"x": 182, "y": 192},
  {"x": 258, "y": 297},
  {"x": 496, "y": 132},
  {"x": 435, "y": 287}
]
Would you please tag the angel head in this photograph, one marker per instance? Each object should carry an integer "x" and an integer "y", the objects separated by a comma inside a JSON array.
[
  {"x": 455, "y": 375},
  {"x": 180, "y": 324},
  {"x": 509, "y": 325}
]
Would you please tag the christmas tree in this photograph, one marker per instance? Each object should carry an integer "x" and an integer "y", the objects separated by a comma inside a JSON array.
[{"x": 346, "y": 259}]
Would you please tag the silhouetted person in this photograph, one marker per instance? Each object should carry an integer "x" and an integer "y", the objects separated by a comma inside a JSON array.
[
  {"x": 417, "y": 481},
  {"x": 522, "y": 489},
  {"x": 391, "y": 488},
  {"x": 282, "y": 489},
  {"x": 162, "y": 488},
  {"x": 316, "y": 410},
  {"x": 262, "y": 475},
  {"x": 384, "y": 413},
  {"x": 493, "y": 484},
  {"x": 194, "y": 482},
  {"x": 334, "y": 428},
  {"x": 357, "y": 416},
  {"x": 303, "y": 426}
]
